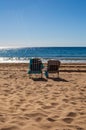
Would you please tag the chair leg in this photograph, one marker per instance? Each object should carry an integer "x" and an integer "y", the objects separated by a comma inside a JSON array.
[
  {"x": 46, "y": 74},
  {"x": 41, "y": 75},
  {"x": 58, "y": 74},
  {"x": 30, "y": 76}
]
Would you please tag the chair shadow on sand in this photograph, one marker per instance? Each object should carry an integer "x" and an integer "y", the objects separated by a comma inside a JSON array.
[
  {"x": 58, "y": 79},
  {"x": 52, "y": 78},
  {"x": 39, "y": 79}
]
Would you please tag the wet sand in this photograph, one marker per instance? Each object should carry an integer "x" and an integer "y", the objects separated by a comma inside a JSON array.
[{"x": 41, "y": 104}]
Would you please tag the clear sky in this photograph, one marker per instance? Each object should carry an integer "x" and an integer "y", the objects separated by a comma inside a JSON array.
[{"x": 42, "y": 23}]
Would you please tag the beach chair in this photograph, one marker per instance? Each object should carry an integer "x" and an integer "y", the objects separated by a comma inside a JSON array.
[
  {"x": 35, "y": 67},
  {"x": 52, "y": 67}
]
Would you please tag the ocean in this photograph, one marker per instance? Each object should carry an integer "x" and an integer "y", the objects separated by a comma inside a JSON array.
[{"x": 64, "y": 54}]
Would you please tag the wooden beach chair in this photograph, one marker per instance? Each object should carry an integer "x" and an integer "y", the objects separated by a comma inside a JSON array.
[
  {"x": 35, "y": 67},
  {"x": 52, "y": 67}
]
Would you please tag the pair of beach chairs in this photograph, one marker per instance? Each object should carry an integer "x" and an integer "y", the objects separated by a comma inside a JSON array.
[{"x": 36, "y": 67}]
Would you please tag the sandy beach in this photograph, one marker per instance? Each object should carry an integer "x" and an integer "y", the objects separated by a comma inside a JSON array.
[{"x": 41, "y": 104}]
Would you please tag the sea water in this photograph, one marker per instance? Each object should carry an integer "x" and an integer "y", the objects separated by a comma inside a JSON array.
[{"x": 64, "y": 54}]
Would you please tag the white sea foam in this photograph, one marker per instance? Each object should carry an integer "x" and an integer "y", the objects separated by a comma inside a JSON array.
[{"x": 26, "y": 60}]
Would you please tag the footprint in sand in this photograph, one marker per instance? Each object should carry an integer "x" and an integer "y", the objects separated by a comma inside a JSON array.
[
  {"x": 51, "y": 119},
  {"x": 2, "y": 118},
  {"x": 10, "y": 128},
  {"x": 79, "y": 128},
  {"x": 65, "y": 100},
  {"x": 54, "y": 104},
  {"x": 71, "y": 114},
  {"x": 82, "y": 113},
  {"x": 38, "y": 119},
  {"x": 68, "y": 120},
  {"x": 36, "y": 116},
  {"x": 39, "y": 102},
  {"x": 69, "y": 117},
  {"x": 73, "y": 102},
  {"x": 48, "y": 85},
  {"x": 6, "y": 85}
]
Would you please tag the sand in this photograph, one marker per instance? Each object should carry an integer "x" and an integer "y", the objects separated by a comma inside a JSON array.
[{"x": 41, "y": 104}]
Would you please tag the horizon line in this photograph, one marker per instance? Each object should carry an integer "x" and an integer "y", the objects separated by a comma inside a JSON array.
[{"x": 3, "y": 47}]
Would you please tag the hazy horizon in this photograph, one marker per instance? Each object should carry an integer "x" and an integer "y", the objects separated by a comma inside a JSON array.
[{"x": 2, "y": 47}]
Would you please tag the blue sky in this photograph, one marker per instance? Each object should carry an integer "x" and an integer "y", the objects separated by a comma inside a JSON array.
[{"x": 42, "y": 23}]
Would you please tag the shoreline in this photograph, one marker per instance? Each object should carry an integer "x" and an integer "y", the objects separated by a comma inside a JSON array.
[
  {"x": 64, "y": 67},
  {"x": 44, "y": 60},
  {"x": 63, "y": 61}
]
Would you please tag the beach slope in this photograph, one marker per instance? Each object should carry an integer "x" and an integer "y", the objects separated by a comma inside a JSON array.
[{"x": 40, "y": 104}]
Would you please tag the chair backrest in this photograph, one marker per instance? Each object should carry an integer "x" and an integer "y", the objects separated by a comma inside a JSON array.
[
  {"x": 53, "y": 65},
  {"x": 35, "y": 65}
]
